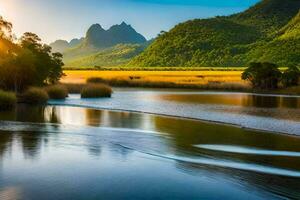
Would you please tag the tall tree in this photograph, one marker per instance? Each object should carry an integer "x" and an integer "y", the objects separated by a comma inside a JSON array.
[{"x": 27, "y": 63}]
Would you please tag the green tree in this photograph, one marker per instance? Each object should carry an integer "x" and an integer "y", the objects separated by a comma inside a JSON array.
[
  {"x": 291, "y": 77},
  {"x": 27, "y": 63},
  {"x": 48, "y": 65},
  {"x": 263, "y": 75},
  {"x": 17, "y": 71}
]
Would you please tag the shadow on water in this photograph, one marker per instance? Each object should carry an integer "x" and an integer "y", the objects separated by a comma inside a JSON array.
[
  {"x": 171, "y": 138},
  {"x": 30, "y": 140}
]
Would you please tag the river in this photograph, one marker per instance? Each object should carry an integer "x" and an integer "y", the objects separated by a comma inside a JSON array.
[{"x": 90, "y": 149}]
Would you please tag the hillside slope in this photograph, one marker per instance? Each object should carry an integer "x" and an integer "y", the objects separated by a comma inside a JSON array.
[
  {"x": 223, "y": 41},
  {"x": 284, "y": 49},
  {"x": 108, "y": 57}
]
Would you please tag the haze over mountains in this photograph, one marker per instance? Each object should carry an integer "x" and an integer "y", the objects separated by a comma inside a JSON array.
[{"x": 268, "y": 31}]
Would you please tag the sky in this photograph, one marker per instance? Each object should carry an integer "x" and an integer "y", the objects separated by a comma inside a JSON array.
[{"x": 68, "y": 19}]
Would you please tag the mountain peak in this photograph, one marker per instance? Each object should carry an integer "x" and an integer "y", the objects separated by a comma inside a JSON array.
[
  {"x": 117, "y": 34},
  {"x": 123, "y": 24},
  {"x": 95, "y": 27}
]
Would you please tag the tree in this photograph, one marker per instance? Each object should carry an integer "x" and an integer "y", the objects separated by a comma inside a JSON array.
[
  {"x": 48, "y": 65},
  {"x": 17, "y": 71},
  {"x": 27, "y": 63},
  {"x": 5, "y": 29},
  {"x": 291, "y": 76},
  {"x": 263, "y": 75}
]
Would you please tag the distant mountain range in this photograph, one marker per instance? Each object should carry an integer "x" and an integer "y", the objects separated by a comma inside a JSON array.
[
  {"x": 101, "y": 47},
  {"x": 62, "y": 45},
  {"x": 268, "y": 31}
]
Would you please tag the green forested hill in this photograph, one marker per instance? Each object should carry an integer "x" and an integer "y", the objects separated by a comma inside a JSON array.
[
  {"x": 284, "y": 49},
  {"x": 262, "y": 32},
  {"x": 108, "y": 57}
]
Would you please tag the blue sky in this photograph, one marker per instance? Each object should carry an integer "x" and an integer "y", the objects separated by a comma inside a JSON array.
[{"x": 67, "y": 19}]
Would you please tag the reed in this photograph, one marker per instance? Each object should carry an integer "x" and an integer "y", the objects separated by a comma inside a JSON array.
[
  {"x": 57, "y": 91},
  {"x": 33, "y": 96},
  {"x": 96, "y": 91}
]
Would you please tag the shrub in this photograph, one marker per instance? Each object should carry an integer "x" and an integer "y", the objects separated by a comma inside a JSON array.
[
  {"x": 262, "y": 75},
  {"x": 95, "y": 80},
  {"x": 34, "y": 96},
  {"x": 96, "y": 91},
  {"x": 57, "y": 92},
  {"x": 7, "y": 100}
]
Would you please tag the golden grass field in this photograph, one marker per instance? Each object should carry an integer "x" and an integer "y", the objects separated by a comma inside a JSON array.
[
  {"x": 178, "y": 77},
  {"x": 207, "y": 80}
]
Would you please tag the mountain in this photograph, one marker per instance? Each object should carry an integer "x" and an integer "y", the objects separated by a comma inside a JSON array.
[
  {"x": 63, "y": 45},
  {"x": 228, "y": 41},
  {"x": 97, "y": 37},
  {"x": 101, "y": 47}
]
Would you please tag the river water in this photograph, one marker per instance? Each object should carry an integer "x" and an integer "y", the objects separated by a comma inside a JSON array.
[{"x": 74, "y": 152}]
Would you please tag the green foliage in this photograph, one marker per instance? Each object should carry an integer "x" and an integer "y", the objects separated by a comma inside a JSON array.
[
  {"x": 96, "y": 91},
  {"x": 57, "y": 91},
  {"x": 260, "y": 34},
  {"x": 27, "y": 63},
  {"x": 8, "y": 100},
  {"x": 291, "y": 76},
  {"x": 34, "y": 96},
  {"x": 262, "y": 75}
]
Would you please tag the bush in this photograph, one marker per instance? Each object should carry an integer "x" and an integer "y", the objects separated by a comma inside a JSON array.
[
  {"x": 95, "y": 80},
  {"x": 34, "y": 96},
  {"x": 263, "y": 75},
  {"x": 57, "y": 92},
  {"x": 96, "y": 91},
  {"x": 8, "y": 100}
]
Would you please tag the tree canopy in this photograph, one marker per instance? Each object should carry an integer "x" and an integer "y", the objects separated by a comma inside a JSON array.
[{"x": 27, "y": 61}]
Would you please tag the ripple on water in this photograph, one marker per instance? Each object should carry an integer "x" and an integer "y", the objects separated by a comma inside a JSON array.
[{"x": 247, "y": 150}]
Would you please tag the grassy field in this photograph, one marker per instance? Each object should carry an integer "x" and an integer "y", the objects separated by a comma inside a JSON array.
[
  {"x": 178, "y": 77},
  {"x": 207, "y": 80}
]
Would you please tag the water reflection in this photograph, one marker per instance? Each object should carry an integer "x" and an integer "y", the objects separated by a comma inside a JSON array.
[
  {"x": 277, "y": 107},
  {"x": 245, "y": 100},
  {"x": 56, "y": 137}
]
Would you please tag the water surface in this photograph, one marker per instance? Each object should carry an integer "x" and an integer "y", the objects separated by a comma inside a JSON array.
[
  {"x": 78, "y": 153},
  {"x": 275, "y": 113}
]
